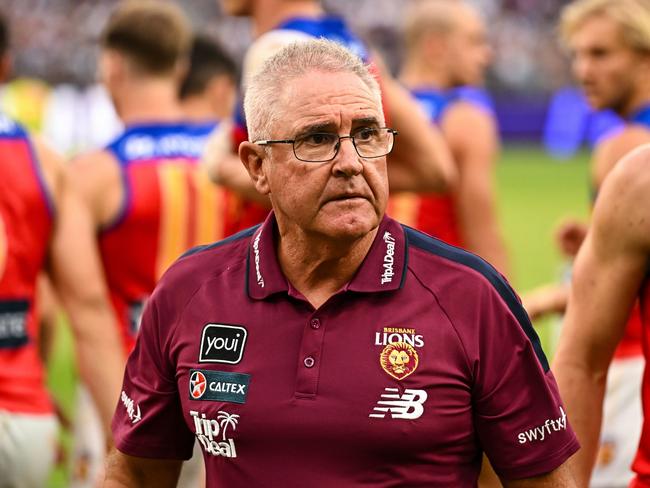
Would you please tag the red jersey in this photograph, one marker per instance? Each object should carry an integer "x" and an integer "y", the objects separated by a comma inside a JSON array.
[
  {"x": 169, "y": 206},
  {"x": 641, "y": 465},
  {"x": 25, "y": 228}
]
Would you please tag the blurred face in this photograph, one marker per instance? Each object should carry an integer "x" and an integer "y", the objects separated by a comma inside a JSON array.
[
  {"x": 469, "y": 52},
  {"x": 237, "y": 7},
  {"x": 344, "y": 198},
  {"x": 606, "y": 68}
]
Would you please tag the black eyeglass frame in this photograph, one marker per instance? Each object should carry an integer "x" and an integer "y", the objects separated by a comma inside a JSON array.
[{"x": 267, "y": 142}]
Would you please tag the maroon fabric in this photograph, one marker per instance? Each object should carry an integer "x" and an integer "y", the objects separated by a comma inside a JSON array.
[{"x": 400, "y": 379}]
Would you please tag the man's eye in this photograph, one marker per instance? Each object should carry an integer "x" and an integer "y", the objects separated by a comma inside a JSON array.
[
  {"x": 318, "y": 139},
  {"x": 365, "y": 134}
]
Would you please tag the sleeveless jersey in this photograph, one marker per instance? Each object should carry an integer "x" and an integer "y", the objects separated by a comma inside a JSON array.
[
  {"x": 436, "y": 213},
  {"x": 169, "y": 206},
  {"x": 25, "y": 228},
  {"x": 240, "y": 213}
]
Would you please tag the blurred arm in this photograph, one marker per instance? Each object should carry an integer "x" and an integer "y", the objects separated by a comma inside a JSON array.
[
  {"x": 420, "y": 161},
  {"x": 75, "y": 271},
  {"x": 562, "y": 477},
  {"x": 608, "y": 272},
  {"x": 475, "y": 153},
  {"x": 123, "y": 471}
]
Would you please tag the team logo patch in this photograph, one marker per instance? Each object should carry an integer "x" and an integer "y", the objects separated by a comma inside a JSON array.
[
  {"x": 222, "y": 343},
  {"x": 218, "y": 386},
  {"x": 399, "y": 360},
  {"x": 409, "y": 405}
]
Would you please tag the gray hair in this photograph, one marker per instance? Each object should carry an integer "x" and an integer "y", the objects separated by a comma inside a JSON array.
[{"x": 291, "y": 62}]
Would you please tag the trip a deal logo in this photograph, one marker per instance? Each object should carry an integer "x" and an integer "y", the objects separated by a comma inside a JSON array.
[{"x": 221, "y": 343}]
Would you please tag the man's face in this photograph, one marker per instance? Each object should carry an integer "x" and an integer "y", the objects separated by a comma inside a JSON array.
[
  {"x": 606, "y": 68},
  {"x": 469, "y": 52},
  {"x": 344, "y": 198},
  {"x": 237, "y": 7}
]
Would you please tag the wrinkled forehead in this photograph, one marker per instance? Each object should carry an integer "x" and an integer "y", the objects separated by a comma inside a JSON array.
[{"x": 327, "y": 98}]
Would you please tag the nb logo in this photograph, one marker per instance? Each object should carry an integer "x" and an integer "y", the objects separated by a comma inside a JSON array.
[{"x": 408, "y": 406}]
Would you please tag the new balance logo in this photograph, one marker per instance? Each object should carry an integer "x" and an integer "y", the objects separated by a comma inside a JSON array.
[{"x": 409, "y": 405}]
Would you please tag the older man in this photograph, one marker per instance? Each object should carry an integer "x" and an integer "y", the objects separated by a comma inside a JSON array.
[{"x": 331, "y": 346}]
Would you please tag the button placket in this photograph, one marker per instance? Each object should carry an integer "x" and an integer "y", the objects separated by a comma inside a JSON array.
[{"x": 310, "y": 357}]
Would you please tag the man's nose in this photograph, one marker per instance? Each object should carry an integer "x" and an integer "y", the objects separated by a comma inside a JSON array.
[{"x": 347, "y": 161}]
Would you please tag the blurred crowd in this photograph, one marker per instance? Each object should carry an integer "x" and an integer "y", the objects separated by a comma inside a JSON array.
[{"x": 56, "y": 40}]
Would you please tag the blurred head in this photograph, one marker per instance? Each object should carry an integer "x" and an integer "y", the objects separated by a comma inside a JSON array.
[
  {"x": 242, "y": 8},
  {"x": 237, "y": 7},
  {"x": 315, "y": 88},
  {"x": 211, "y": 77},
  {"x": 610, "y": 43},
  {"x": 145, "y": 38},
  {"x": 5, "y": 58},
  {"x": 452, "y": 35}
]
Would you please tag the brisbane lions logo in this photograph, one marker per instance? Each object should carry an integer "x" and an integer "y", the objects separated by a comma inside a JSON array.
[{"x": 399, "y": 360}]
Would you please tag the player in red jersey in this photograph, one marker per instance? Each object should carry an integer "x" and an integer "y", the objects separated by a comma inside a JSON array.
[
  {"x": 44, "y": 226},
  {"x": 447, "y": 52},
  {"x": 420, "y": 163},
  {"x": 610, "y": 273},
  {"x": 610, "y": 41},
  {"x": 149, "y": 198}
]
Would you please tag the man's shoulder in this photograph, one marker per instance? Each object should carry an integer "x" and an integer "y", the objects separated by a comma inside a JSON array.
[
  {"x": 613, "y": 147},
  {"x": 449, "y": 262}
]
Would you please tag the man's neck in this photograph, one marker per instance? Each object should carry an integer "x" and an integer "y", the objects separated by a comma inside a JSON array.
[
  {"x": 319, "y": 267},
  {"x": 199, "y": 109},
  {"x": 268, "y": 15},
  {"x": 638, "y": 101},
  {"x": 416, "y": 73},
  {"x": 152, "y": 100}
]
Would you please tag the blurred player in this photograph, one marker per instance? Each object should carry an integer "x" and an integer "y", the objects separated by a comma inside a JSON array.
[
  {"x": 611, "y": 273},
  {"x": 45, "y": 226},
  {"x": 610, "y": 42},
  {"x": 447, "y": 52},
  {"x": 420, "y": 162},
  {"x": 149, "y": 200},
  {"x": 209, "y": 90}
]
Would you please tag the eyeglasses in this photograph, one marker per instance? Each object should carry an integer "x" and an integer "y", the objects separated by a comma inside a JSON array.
[{"x": 319, "y": 147}]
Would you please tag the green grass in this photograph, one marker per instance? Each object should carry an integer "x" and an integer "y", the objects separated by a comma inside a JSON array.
[{"x": 534, "y": 194}]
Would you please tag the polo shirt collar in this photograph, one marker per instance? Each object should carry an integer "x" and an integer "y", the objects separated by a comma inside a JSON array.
[{"x": 382, "y": 269}]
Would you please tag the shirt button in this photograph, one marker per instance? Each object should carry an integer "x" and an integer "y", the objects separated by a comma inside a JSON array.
[
  {"x": 309, "y": 362},
  {"x": 315, "y": 323}
]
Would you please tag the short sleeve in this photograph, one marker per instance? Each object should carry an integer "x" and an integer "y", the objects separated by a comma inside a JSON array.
[
  {"x": 519, "y": 416},
  {"x": 148, "y": 421}
]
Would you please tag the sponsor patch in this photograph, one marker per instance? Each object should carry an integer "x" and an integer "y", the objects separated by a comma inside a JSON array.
[
  {"x": 132, "y": 408},
  {"x": 218, "y": 386},
  {"x": 399, "y": 360},
  {"x": 543, "y": 431},
  {"x": 409, "y": 405},
  {"x": 222, "y": 343},
  {"x": 13, "y": 323},
  {"x": 212, "y": 434}
]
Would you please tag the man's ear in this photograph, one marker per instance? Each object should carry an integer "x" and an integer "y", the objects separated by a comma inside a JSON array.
[{"x": 252, "y": 156}]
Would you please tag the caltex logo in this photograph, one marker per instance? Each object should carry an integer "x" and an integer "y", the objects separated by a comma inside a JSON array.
[{"x": 198, "y": 385}]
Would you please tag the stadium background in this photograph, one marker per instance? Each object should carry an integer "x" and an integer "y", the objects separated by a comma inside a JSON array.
[{"x": 53, "y": 91}]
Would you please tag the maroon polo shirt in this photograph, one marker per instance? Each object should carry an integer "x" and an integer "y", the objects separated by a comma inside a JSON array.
[{"x": 403, "y": 378}]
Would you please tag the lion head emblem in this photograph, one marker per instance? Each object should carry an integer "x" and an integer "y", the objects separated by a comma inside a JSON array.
[{"x": 399, "y": 360}]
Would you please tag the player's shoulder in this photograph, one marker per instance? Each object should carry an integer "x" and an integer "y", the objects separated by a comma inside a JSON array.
[{"x": 630, "y": 179}]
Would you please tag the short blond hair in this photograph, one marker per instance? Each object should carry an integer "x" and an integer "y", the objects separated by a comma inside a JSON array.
[
  {"x": 291, "y": 62},
  {"x": 633, "y": 16},
  {"x": 425, "y": 17},
  {"x": 153, "y": 34}
]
